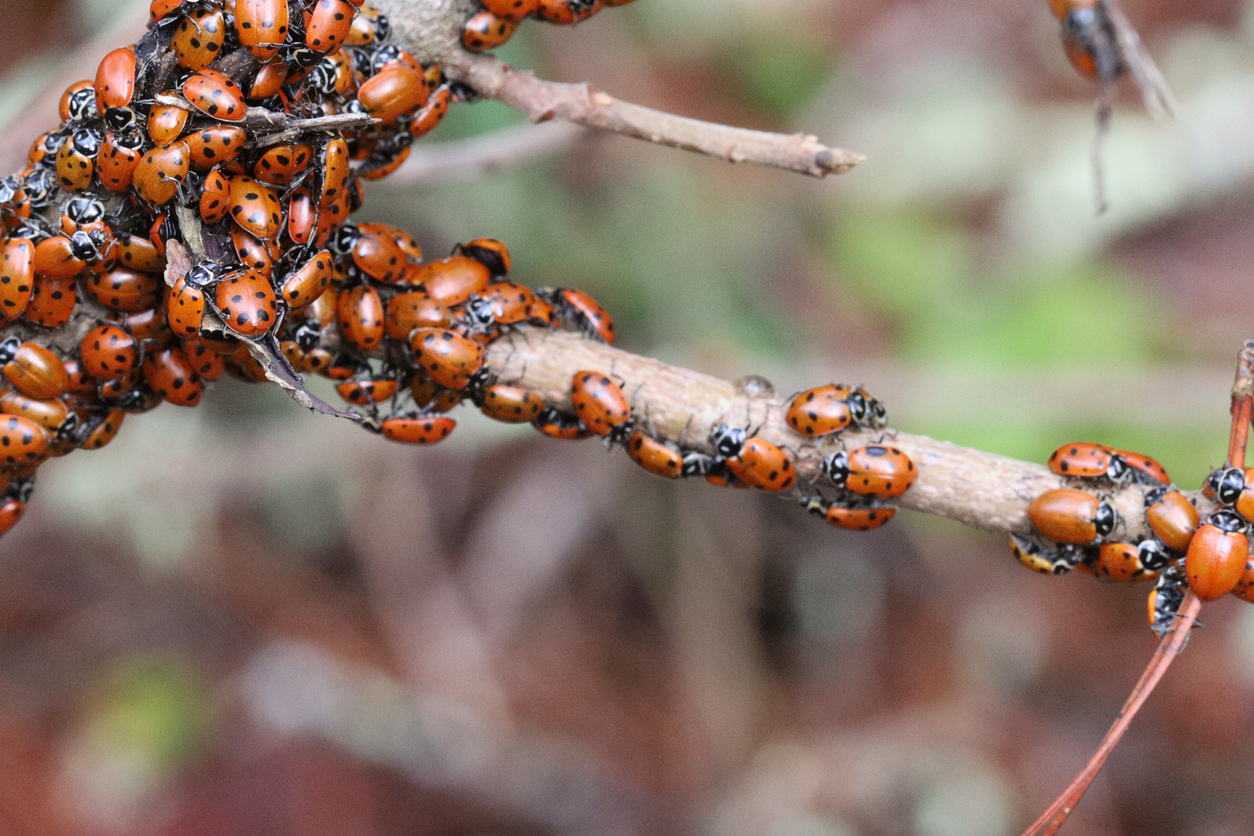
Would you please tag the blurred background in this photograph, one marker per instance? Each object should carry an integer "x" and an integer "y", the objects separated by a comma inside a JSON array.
[{"x": 243, "y": 619}]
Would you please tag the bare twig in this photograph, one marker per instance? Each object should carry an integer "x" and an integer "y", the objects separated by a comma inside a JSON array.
[
  {"x": 484, "y": 154},
  {"x": 1171, "y": 645},
  {"x": 979, "y": 489},
  {"x": 583, "y": 104}
]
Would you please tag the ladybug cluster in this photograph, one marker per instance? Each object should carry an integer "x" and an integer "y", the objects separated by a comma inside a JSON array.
[
  {"x": 190, "y": 217},
  {"x": 190, "y": 214},
  {"x": 861, "y": 477},
  {"x": 1208, "y": 555},
  {"x": 495, "y": 25}
]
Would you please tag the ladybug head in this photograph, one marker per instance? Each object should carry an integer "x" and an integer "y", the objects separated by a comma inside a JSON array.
[
  {"x": 836, "y": 467},
  {"x": 728, "y": 440},
  {"x": 308, "y": 335},
  {"x": 87, "y": 246},
  {"x": 206, "y": 273},
  {"x": 83, "y": 210},
  {"x": 8, "y": 349},
  {"x": 1153, "y": 554},
  {"x": 21, "y": 489},
  {"x": 1226, "y": 484},
  {"x": 1104, "y": 519},
  {"x": 344, "y": 239}
]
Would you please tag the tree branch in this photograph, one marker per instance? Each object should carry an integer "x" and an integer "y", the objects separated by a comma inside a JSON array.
[
  {"x": 585, "y": 105},
  {"x": 431, "y": 162},
  {"x": 431, "y": 30},
  {"x": 970, "y": 486}
]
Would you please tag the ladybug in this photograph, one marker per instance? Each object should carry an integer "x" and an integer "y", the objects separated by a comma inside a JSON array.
[
  {"x": 172, "y": 378},
  {"x": 366, "y": 392},
  {"x": 269, "y": 80},
  {"x": 486, "y": 31},
  {"x": 1165, "y": 600},
  {"x": 411, "y": 428},
  {"x": 1216, "y": 557},
  {"x": 657, "y": 457},
  {"x": 160, "y": 172},
  {"x": 360, "y": 314},
  {"x": 78, "y": 103},
  {"x": 368, "y": 27},
  {"x": 565, "y": 12},
  {"x": 198, "y": 39},
  {"x": 562, "y": 425},
  {"x": 1121, "y": 562},
  {"x": 215, "y": 145},
  {"x": 22, "y": 441},
  {"x": 103, "y": 430},
  {"x": 580, "y": 309},
  {"x": 1046, "y": 561},
  {"x": 166, "y": 123},
  {"x": 1144, "y": 469},
  {"x": 11, "y": 511},
  {"x": 1066, "y": 515},
  {"x": 451, "y": 280},
  {"x": 728, "y": 440},
  {"x": 279, "y": 165},
  {"x": 1171, "y": 517},
  {"x": 247, "y": 303},
  {"x": 186, "y": 306},
  {"x": 214, "y": 95},
  {"x": 160, "y": 9},
  {"x": 763, "y": 465},
  {"x": 333, "y": 162},
  {"x": 509, "y": 303},
  {"x": 52, "y": 414},
  {"x": 117, "y": 160},
  {"x": 333, "y": 75},
  {"x": 411, "y": 310},
  {"x": 261, "y": 26},
  {"x": 123, "y": 290},
  {"x": 301, "y": 216},
  {"x": 850, "y": 518},
  {"x": 52, "y": 301},
  {"x": 377, "y": 254},
  {"x": 206, "y": 362},
  {"x": 511, "y": 404},
  {"x": 328, "y": 25},
  {"x": 1225, "y": 485},
  {"x": 431, "y": 397},
  {"x": 489, "y": 252},
  {"x": 1088, "y": 460},
  {"x": 17, "y": 276},
  {"x": 255, "y": 207},
  {"x": 874, "y": 470},
  {"x": 115, "y": 79},
  {"x": 432, "y": 113},
  {"x": 215, "y": 197},
  {"x": 602, "y": 406},
  {"x": 829, "y": 409},
  {"x": 76, "y": 160},
  {"x": 308, "y": 279},
  {"x": 107, "y": 352},
  {"x": 253, "y": 254},
  {"x": 395, "y": 90},
  {"x": 386, "y": 158},
  {"x": 514, "y": 10},
  {"x": 32, "y": 369},
  {"x": 448, "y": 358}
]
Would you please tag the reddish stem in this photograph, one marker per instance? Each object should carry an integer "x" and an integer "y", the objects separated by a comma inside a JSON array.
[{"x": 1168, "y": 648}]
